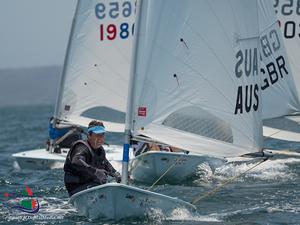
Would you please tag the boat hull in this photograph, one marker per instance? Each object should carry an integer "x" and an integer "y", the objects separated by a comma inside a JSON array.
[
  {"x": 118, "y": 201},
  {"x": 41, "y": 159},
  {"x": 148, "y": 167}
]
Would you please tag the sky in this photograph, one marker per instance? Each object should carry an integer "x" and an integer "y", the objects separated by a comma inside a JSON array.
[{"x": 34, "y": 32}]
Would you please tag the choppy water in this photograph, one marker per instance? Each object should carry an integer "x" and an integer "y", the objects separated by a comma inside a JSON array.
[{"x": 269, "y": 194}]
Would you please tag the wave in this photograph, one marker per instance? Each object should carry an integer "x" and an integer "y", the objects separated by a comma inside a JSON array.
[{"x": 270, "y": 170}]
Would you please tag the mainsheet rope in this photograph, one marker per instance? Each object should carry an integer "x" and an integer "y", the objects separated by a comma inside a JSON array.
[{"x": 171, "y": 167}]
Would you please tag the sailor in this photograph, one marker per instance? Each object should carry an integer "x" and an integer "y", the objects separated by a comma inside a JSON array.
[
  {"x": 62, "y": 135},
  {"x": 86, "y": 164},
  {"x": 140, "y": 147}
]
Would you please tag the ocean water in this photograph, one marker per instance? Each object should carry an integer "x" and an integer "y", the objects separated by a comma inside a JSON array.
[{"x": 268, "y": 194}]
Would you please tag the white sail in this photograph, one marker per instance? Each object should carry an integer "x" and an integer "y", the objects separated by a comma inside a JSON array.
[
  {"x": 97, "y": 65},
  {"x": 279, "y": 94},
  {"x": 191, "y": 89},
  {"x": 122, "y": 201},
  {"x": 288, "y": 14}
]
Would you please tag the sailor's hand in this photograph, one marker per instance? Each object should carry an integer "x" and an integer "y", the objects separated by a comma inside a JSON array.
[
  {"x": 130, "y": 180},
  {"x": 101, "y": 176},
  {"x": 118, "y": 177}
]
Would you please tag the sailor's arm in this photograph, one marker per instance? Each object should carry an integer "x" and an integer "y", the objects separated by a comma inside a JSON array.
[
  {"x": 111, "y": 171},
  {"x": 83, "y": 168}
]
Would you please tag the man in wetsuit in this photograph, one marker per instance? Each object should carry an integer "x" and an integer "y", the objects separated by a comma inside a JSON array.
[{"x": 86, "y": 165}]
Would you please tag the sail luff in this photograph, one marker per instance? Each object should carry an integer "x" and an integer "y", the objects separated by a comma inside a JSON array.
[
  {"x": 131, "y": 85},
  {"x": 63, "y": 76},
  {"x": 130, "y": 97}
]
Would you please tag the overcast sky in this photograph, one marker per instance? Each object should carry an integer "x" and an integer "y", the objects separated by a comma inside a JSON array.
[{"x": 34, "y": 32}]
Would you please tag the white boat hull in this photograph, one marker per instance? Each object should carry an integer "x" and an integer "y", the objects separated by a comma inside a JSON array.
[
  {"x": 41, "y": 159},
  {"x": 118, "y": 201},
  {"x": 148, "y": 167}
]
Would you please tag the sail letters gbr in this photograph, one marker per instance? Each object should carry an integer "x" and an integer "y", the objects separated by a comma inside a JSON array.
[{"x": 273, "y": 68}]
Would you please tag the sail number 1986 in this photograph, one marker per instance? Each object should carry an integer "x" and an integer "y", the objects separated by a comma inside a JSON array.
[{"x": 118, "y": 14}]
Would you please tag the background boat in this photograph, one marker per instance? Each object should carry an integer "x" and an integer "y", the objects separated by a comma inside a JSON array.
[
  {"x": 95, "y": 76},
  {"x": 282, "y": 98}
]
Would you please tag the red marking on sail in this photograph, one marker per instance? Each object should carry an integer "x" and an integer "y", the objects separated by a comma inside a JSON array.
[
  {"x": 6, "y": 195},
  {"x": 142, "y": 111},
  {"x": 29, "y": 192}
]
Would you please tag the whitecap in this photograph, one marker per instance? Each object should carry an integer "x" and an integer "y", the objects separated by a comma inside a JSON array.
[{"x": 277, "y": 169}]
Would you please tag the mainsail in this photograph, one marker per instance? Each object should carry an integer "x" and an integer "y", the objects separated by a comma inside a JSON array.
[
  {"x": 279, "y": 94},
  {"x": 96, "y": 70},
  {"x": 191, "y": 88},
  {"x": 281, "y": 75},
  {"x": 288, "y": 15}
]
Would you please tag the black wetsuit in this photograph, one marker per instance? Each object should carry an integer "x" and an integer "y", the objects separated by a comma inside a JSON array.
[{"x": 86, "y": 167}]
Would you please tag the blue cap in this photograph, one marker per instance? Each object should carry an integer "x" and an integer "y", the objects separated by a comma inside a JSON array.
[{"x": 97, "y": 129}]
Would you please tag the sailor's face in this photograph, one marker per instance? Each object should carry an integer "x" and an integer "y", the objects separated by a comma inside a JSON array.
[{"x": 96, "y": 140}]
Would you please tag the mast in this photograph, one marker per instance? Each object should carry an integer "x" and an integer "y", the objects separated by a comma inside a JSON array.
[
  {"x": 129, "y": 110},
  {"x": 63, "y": 77}
]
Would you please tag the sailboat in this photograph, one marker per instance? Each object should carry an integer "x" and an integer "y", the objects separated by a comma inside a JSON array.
[
  {"x": 188, "y": 79},
  {"x": 169, "y": 167},
  {"x": 95, "y": 76},
  {"x": 281, "y": 97}
]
